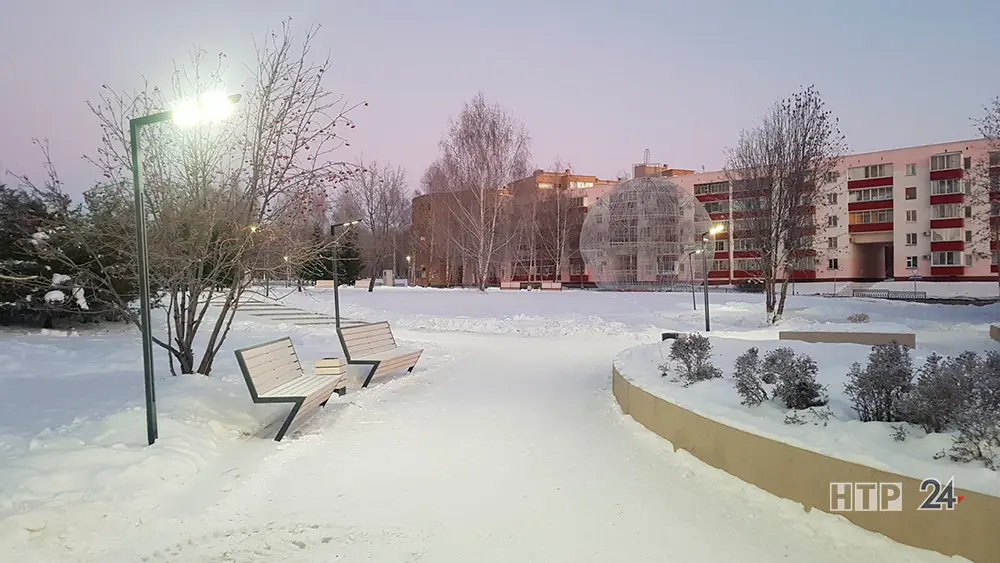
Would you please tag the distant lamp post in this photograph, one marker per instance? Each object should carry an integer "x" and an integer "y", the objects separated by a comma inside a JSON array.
[
  {"x": 716, "y": 229},
  {"x": 336, "y": 294},
  {"x": 409, "y": 267},
  {"x": 209, "y": 107}
]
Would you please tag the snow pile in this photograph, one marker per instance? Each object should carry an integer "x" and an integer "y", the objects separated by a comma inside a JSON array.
[
  {"x": 839, "y": 435},
  {"x": 55, "y": 296}
]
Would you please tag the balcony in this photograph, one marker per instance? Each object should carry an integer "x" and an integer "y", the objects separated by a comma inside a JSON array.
[
  {"x": 947, "y": 166},
  {"x": 869, "y": 227},
  {"x": 950, "y": 223},
  {"x": 947, "y": 271},
  {"x": 942, "y": 199},
  {"x": 866, "y": 205},
  {"x": 947, "y": 245}
]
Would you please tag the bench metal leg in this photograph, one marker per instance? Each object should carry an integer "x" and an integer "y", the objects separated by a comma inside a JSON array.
[
  {"x": 371, "y": 374},
  {"x": 288, "y": 421},
  {"x": 341, "y": 392}
]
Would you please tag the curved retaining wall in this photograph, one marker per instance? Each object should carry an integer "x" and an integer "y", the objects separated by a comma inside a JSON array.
[{"x": 972, "y": 530}]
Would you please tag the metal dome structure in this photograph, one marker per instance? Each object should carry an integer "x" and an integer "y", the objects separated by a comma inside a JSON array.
[{"x": 638, "y": 236}]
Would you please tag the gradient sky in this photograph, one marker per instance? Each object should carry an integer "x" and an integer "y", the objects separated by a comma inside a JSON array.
[{"x": 596, "y": 83}]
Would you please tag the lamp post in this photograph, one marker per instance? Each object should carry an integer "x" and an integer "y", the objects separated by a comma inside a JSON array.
[
  {"x": 336, "y": 294},
  {"x": 704, "y": 257},
  {"x": 690, "y": 257},
  {"x": 409, "y": 273},
  {"x": 209, "y": 107}
]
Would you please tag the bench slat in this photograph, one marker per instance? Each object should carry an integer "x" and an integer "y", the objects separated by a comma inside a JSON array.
[
  {"x": 276, "y": 357},
  {"x": 363, "y": 330},
  {"x": 303, "y": 386},
  {"x": 255, "y": 351},
  {"x": 371, "y": 341},
  {"x": 330, "y": 366},
  {"x": 267, "y": 381}
]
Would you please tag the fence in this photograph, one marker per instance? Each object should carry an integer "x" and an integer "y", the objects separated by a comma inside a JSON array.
[{"x": 886, "y": 294}]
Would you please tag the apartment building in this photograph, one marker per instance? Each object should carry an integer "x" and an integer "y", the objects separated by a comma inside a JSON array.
[{"x": 891, "y": 214}]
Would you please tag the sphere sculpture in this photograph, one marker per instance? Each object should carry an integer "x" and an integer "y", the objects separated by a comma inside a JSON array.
[{"x": 638, "y": 236}]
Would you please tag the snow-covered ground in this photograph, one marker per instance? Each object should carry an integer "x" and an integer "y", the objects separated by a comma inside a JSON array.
[
  {"x": 504, "y": 444},
  {"x": 941, "y": 290},
  {"x": 841, "y": 435}
]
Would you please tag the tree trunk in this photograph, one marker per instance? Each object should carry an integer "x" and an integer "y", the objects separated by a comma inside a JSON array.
[{"x": 781, "y": 301}]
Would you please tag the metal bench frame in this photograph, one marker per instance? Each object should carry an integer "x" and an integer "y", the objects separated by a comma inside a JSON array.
[{"x": 371, "y": 362}]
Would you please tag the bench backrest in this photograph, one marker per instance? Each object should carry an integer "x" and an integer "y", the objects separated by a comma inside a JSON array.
[
  {"x": 269, "y": 365},
  {"x": 362, "y": 340}
]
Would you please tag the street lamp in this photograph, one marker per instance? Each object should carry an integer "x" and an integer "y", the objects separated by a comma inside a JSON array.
[
  {"x": 209, "y": 107},
  {"x": 716, "y": 229},
  {"x": 409, "y": 266},
  {"x": 336, "y": 294}
]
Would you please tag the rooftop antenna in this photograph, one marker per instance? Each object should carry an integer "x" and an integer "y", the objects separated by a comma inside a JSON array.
[{"x": 645, "y": 157}]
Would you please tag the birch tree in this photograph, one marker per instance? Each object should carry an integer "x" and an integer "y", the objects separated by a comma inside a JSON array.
[
  {"x": 985, "y": 183},
  {"x": 484, "y": 151},
  {"x": 556, "y": 222},
  {"x": 780, "y": 172},
  {"x": 227, "y": 202}
]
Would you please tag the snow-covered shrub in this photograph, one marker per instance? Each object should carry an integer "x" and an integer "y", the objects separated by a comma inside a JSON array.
[
  {"x": 900, "y": 432},
  {"x": 794, "y": 377},
  {"x": 694, "y": 353},
  {"x": 978, "y": 421},
  {"x": 749, "y": 385},
  {"x": 877, "y": 389},
  {"x": 858, "y": 318},
  {"x": 942, "y": 390}
]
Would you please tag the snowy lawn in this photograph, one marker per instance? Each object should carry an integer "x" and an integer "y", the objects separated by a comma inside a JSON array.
[
  {"x": 841, "y": 435},
  {"x": 397, "y": 470}
]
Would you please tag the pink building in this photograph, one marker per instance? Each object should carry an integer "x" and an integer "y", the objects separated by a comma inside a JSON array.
[{"x": 891, "y": 215}]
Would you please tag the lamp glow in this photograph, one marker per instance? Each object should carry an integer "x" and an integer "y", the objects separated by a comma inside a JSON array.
[
  {"x": 717, "y": 229},
  {"x": 210, "y": 106}
]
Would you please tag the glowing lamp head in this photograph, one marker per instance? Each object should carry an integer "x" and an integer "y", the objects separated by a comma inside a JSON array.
[
  {"x": 211, "y": 106},
  {"x": 717, "y": 229}
]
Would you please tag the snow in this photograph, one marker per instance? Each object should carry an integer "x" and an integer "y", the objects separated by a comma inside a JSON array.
[
  {"x": 39, "y": 237},
  {"x": 55, "y": 296},
  {"x": 934, "y": 290},
  {"x": 504, "y": 444},
  {"x": 842, "y": 435},
  {"x": 60, "y": 279}
]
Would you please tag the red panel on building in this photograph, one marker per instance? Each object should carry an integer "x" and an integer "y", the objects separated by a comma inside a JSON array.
[
  {"x": 947, "y": 270},
  {"x": 947, "y": 198},
  {"x": 804, "y": 275},
  {"x": 718, "y": 216},
  {"x": 994, "y": 196},
  {"x": 993, "y": 268},
  {"x": 866, "y": 205},
  {"x": 803, "y": 252},
  {"x": 944, "y": 246},
  {"x": 745, "y": 254},
  {"x": 869, "y": 183},
  {"x": 946, "y": 174},
  {"x": 712, "y": 197},
  {"x": 947, "y": 223},
  {"x": 743, "y": 274},
  {"x": 719, "y": 274},
  {"x": 869, "y": 227},
  {"x": 993, "y": 245},
  {"x": 722, "y": 255}
]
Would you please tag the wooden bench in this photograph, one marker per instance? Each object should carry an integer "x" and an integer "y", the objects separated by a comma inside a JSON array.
[
  {"x": 551, "y": 286},
  {"x": 324, "y": 284},
  {"x": 373, "y": 344},
  {"x": 274, "y": 375},
  {"x": 510, "y": 285}
]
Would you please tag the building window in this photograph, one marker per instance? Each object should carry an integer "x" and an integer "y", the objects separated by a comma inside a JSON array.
[
  {"x": 948, "y": 211},
  {"x": 720, "y": 265},
  {"x": 968, "y": 212},
  {"x": 831, "y": 199},
  {"x": 911, "y": 215},
  {"x": 721, "y": 245},
  {"x": 873, "y": 171},
  {"x": 967, "y": 163},
  {"x": 833, "y": 264},
  {"x": 946, "y": 258},
  {"x": 874, "y": 194},
  {"x": 744, "y": 244},
  {"x": 911, "y": 192},
  {"x": 712, "y": 188},
  {"x": 968, "y": 260},
  {"x": 717, "y": 207},
  {"x": 832, "y": 221},
  {"x": 911, "y": 169},
  {"x": 911, "y": 239},
  {"x": 911, "y": 262},
  {"x": 948, "y": 161},
  {"x": 946, "y": 235},
  {"x": 941, "y": 187},
  {"x": 831, "y": 242},
  {"x": 832, "y": 177},
  {"x": 868, "y": 217},
  {"x": 968, "y": 236}
]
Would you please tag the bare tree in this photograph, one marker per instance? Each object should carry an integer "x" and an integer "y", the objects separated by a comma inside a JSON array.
[
  {"x": 780, "y": 172},
  {"x": 556, "y": 221},
  {"x": 227, "y": 202},
  {"x": 985, "y": 184},
  {"x": 484, "y": 151},
  {"x": 378, "y": 194}
]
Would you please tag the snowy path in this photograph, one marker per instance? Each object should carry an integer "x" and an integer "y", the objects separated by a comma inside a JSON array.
[{"x": 510, "y": 450}]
